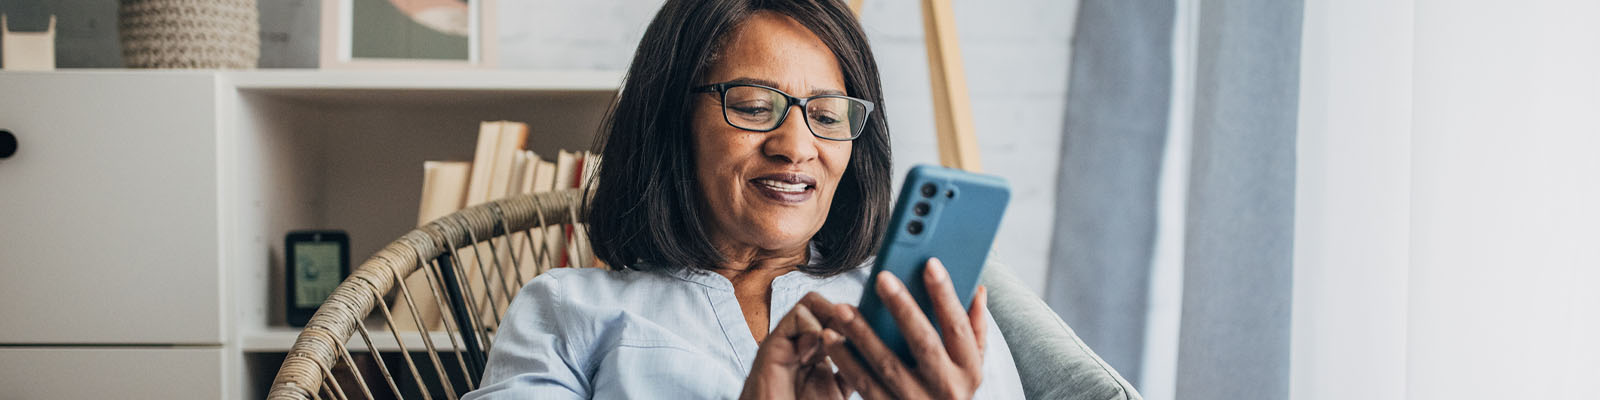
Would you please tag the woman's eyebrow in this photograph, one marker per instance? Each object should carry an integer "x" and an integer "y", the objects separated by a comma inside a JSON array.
[
  {"x": 815, "y": 91},
  {"x": 753, "y": 81}
]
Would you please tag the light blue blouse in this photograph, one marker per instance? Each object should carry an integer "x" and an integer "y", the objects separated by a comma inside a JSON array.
[{"x": 595, "y": 333}]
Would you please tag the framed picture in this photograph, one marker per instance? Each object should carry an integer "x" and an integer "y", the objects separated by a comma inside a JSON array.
[{"x": 375, "y": 34}]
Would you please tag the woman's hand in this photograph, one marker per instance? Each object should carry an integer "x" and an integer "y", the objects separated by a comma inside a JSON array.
[
  {"x": 950, "y": 367},
  {"x": 792, "y": 362}
]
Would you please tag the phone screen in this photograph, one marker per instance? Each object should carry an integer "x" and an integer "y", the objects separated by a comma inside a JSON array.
[{"x": 316, "y": 272}]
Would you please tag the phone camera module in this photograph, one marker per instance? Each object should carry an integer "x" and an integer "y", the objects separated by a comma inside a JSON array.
[
  {"x": 928, "y": 190},
  {"x": 915, "y": 227},
  {"x": 921, "y": 209}
]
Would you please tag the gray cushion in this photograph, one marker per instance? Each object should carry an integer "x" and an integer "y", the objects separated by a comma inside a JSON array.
[{"x": 1052, "y": 361}]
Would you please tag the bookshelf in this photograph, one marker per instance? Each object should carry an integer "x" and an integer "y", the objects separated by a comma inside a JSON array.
[
  {"x": 253, "y": 154},
  {"x": 344, "y": 150}
]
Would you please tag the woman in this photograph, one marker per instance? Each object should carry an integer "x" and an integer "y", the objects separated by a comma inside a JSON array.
[{"x": 745, "y": 188}]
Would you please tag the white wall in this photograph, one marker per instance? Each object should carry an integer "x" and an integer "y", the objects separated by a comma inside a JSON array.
[
  {"x": 1016, "y": 54},
  {"x": 1505, "y": 264},
  {"x": 1353, "y": 191},
  {"x": 1446, "y": 238}
]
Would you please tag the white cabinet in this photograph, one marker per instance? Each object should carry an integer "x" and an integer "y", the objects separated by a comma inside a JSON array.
[
  {"x": 112, "y": 373},
  {"x": 108, "y": 210},
  {"x": 143, "y": 215}
]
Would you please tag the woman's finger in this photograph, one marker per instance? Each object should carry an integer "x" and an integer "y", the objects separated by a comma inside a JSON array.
[
  {"x": 820, "y": 383},
  {"x": 914, "y": 325},
  {"x": 883, "y": 363},
  {"x": 796, "y": 338},
  {"x": 805, "y": 321},
  {"x": 851, "y": 371},
  {"x": 808, "y": 333},
  {"x": 980, "y": 323},
  {"x": 788, "y": 327},
  {"x": 844, "y": 386},
  {"x": 954, "y": 326},
  {"x": 819, "y": 307}
]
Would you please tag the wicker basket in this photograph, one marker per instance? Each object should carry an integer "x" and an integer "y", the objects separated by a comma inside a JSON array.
[{"x": 189, "y": 33}]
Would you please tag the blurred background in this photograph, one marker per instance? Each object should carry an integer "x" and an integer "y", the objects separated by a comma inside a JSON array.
[{"x": 1249, "y": 199}]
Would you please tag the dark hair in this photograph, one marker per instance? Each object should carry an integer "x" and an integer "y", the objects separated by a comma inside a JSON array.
[{"x": 645, "y": 210}]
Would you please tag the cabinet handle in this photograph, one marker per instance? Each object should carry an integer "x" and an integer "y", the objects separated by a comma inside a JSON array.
[{"x": 8, "y": 144}]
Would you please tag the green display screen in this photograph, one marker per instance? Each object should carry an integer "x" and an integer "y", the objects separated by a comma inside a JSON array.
[{"x": 316, "y": 266}]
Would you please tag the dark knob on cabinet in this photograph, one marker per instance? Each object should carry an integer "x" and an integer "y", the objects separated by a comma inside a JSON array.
[{"x": 8, "y": 144}]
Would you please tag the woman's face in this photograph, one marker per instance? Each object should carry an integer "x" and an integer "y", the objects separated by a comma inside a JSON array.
[{"x": 768, "y": 191}]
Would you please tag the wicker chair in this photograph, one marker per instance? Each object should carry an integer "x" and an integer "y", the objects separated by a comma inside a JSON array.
[{"x": 1053, "y": 362}]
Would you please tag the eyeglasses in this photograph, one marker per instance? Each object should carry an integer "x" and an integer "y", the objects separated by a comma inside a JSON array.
[{"x": 763, "y": 109}]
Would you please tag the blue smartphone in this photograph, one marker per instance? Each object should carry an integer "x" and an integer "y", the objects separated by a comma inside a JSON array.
[{"x": 946, "y": 213}]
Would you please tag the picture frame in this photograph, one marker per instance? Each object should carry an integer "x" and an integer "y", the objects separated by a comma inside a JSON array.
[{"x": 360, "y": 34}]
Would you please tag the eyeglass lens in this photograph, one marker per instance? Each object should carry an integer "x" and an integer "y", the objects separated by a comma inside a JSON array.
[{"x": 761, "y": 109}]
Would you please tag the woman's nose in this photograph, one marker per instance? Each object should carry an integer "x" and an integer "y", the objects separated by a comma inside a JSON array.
[{"x": 792, "y": 141}]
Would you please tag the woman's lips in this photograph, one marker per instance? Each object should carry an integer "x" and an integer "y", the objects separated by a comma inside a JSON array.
[{"x": 786, "y": 187}]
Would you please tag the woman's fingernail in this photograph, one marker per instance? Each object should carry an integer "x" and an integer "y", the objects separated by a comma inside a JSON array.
[
  {"x": 936, "y": 272},
  {"x": 888, "y": 282},
  {"x": 829, "y": 336},
  {"x": 845, "y": 313}
]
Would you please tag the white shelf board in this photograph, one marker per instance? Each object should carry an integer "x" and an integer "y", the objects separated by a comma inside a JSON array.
[
  {"x": 486, "y": 80},
  {"x": 280, "y": 339}
]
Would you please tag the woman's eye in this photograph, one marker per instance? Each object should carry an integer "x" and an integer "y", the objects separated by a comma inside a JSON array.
[
  {"x": 750, "y": 109},
  {"x": 824, "y": 119}
]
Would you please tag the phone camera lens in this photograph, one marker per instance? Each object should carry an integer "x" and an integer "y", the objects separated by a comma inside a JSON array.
[
  {"x": 915, "y": 227},
  {"x": 949, "y": 194},
  {"x": 928, "y": 190},
  {"x": 921, "y": 209}
]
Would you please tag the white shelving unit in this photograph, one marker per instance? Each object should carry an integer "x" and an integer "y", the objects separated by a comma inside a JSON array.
[
  {"x": 479, "y": 80},
  {"x": 188, "y": 181}
]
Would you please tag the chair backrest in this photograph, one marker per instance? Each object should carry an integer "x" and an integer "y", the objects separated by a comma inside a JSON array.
[
  {"x": 466, "y": 258},
  {"x": 1051, "y": 360}
]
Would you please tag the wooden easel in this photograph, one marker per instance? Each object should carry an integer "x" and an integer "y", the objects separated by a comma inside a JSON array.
[{"x": 952, "y": 110}]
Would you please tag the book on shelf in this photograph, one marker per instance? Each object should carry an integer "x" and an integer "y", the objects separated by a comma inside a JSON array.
[
  {"x": 585, "y": 252},
  {"x": 444, "y": 189},
  {"x": 538, "y": 177},
  {"x": 567, "y": 164},
  {"x": 501, "y": 167},
  {"x": 482, "y": 157},
  {"x": 481, "y": 263}
]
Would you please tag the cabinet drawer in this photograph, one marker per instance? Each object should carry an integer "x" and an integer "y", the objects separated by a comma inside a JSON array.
[
  {"x": 111, "y": 373},
  {"x": 108, "y": 209}
]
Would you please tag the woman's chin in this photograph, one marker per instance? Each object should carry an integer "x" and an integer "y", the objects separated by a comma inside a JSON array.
[{"x": 781, "y": 233}]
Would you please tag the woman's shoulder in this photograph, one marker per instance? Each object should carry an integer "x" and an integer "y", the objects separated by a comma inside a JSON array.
[
  {"x": 579, "y": 283},
  {"x": 584, "y": 276}
]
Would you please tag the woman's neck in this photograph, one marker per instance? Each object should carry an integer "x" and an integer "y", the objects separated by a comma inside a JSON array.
[
  {"x": 742, "y": 259},
  {"x": 751, "y": 270}
]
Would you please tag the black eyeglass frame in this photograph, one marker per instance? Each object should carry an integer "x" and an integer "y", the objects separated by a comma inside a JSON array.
[{"x": 721, "y": 89}]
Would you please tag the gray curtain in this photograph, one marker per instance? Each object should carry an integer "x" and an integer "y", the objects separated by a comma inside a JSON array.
[
  {"x": 1118, "y": 97},
  {"x": 1234, "y": 329},
  {"x": 1238, "y": 256}
]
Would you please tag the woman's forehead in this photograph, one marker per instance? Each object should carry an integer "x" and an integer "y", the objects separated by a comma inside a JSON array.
[{"x": 776, "y": 49}]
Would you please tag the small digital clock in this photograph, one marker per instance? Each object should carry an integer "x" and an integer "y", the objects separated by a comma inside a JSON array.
[{"x": 315, "y": 263}]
